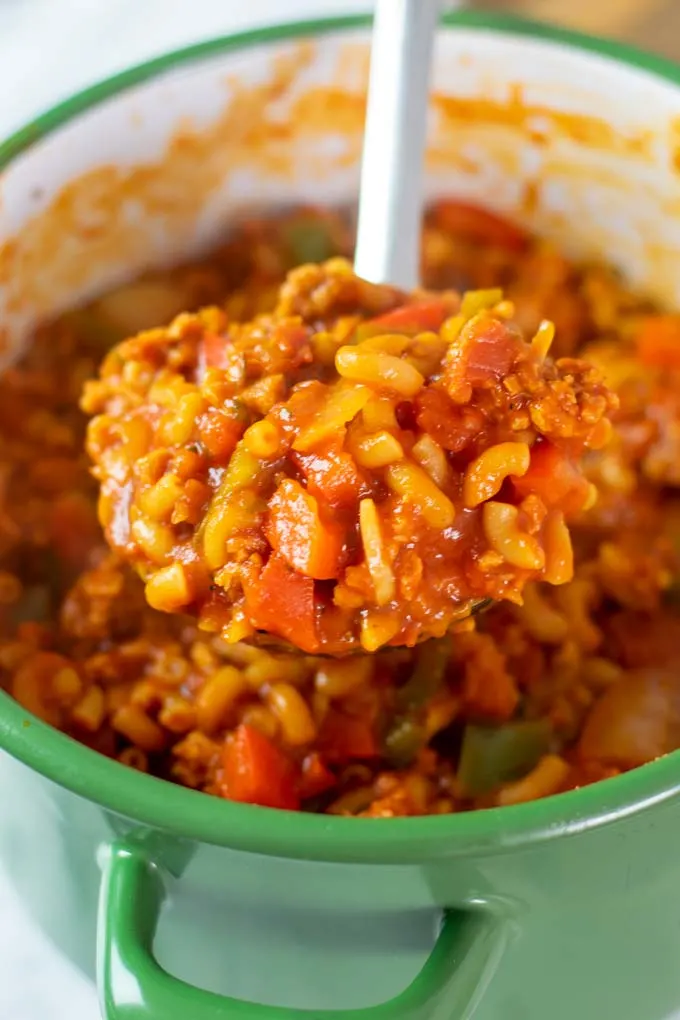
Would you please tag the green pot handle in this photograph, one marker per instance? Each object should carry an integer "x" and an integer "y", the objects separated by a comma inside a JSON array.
[{"x": 132, "y": 985}]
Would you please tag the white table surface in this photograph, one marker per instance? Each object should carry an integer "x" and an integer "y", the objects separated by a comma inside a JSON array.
[{"x": 96, "y": 38}]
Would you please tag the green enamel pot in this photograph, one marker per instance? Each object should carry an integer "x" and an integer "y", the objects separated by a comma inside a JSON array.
[{"x": 186, "y": 907}]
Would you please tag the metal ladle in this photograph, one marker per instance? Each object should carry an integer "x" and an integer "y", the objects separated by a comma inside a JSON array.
[
  {"x": 391, "y": 191},
  {"x": 392, "y": 170}
]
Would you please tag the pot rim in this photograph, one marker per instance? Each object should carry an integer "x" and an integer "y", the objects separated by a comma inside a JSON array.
[{"x": 197, "y": 816}]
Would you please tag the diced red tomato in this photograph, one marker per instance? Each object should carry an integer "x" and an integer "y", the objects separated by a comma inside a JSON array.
[
  {"x": 220, "y": 433},
  {"x": 292, "y": 342},
  {"x": 483, "y": 353},
  {"x": 74, "y": 529},
  {"x": 452, "y": 426},
  {"x": 214, "y": 348},
  {"x": 476, "y": 224},
  {"x": 296, "y": 530},
  {"x": 658, "y": 341},
  {"x": 345, "y": 737},
  {"x": 422, "y": 316},
  {"x": 332, "y": 476},
  {"x": 281, "y": 602},
  {"x": 316, "y": 777},
  {"x": 30, "y": 632},
  {"x": 554, "y": 478},
  {"x": 255, "y": 771}
]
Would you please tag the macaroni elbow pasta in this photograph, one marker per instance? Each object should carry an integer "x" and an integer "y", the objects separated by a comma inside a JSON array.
[{"x": 297, "y": 464}]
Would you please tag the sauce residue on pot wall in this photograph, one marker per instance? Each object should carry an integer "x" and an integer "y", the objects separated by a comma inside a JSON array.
[
  {"x": 541, "y": 123},
  {"x": 287, "y": 126},
  {"x": 170, "y": 193}
]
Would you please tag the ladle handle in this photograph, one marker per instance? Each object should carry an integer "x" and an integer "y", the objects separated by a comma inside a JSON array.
[{"x": 391, "y": 193}]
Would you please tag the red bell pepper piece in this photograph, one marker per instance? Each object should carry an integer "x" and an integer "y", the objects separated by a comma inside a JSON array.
[
  {"x": 420, "y": 317},
  {"x": 255, "y": 771},
  {"x": 295, "y": 529},
  {"x": 316, "y": 777},
  {"x": 332, "y": 476},
  {"x": 220, "y": 432},
  {"x": 473, "y": 223},
  {"x": 281, "y": 602},
  {"x": 74, "y": 529},
  {"x": 347, "y": 737},
  {"x": 658, "y": 341},
  {"x": 214, "y": 347},
  {"x": 554, "y": 478},
  {"x": 483, "y": 353}
]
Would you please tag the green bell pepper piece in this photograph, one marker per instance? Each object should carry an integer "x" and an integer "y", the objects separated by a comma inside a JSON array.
[{"x": 493, "y": 755}]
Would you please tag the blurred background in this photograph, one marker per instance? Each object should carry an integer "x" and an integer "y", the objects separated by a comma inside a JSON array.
[
  {"x": 651, "y": 24},
  {"x": 52, "y": 48}
]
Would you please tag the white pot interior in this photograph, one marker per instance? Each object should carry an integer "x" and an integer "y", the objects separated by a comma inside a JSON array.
[{"x": 577, "y": 146}]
